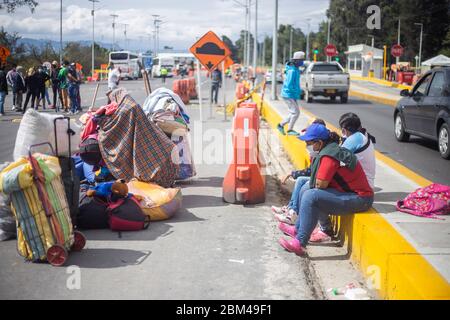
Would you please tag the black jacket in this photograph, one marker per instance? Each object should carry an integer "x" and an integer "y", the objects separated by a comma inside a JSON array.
[
  {"x": 33, "y": 82},
  {"x": 3, "y": 82}
]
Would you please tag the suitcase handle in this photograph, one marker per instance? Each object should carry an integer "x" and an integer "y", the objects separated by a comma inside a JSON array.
[
  {"x": 39, "y": 145},
  {"x": 70, "y": 132}
]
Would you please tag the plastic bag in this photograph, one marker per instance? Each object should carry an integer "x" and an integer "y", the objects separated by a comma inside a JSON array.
[
  {"x": 7, "y": 220},
  {"x": 38, "y": 128}
]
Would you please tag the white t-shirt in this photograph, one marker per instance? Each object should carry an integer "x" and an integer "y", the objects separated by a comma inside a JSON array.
[
  {"x": 366, "y": 158},
  {"x": 113, "y": 79}
]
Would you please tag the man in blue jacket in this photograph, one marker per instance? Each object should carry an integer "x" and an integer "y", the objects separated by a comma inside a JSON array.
[{"x": 291, "y": 93}]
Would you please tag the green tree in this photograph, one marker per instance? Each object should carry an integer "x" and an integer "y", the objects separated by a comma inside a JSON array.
[
  {"x": 349, "y": 18},
  {"x": 232, "y": 47},
  {"x": 12, "y": 5}
]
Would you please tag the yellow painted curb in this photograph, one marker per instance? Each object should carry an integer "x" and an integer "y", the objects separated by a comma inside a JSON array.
[
  {"x": 391, "y": 265},
  {"x": 370, "y": 97},
  {"x": 382, "y": 82}
]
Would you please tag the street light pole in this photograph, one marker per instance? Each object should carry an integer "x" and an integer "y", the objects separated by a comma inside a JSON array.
[
  {"x": 249, "y": 3},
  {"x": 421, "y": 39},
  {"x": 398, "y": 41},
  {"x": 290, "y": 42},
  {"x": 307, "y": 40},
  {"x": 114, "y": 16},
  {"x": 275, "y": 52},
  {"x": 93, "y": 35},
  {"x": 328, "y": 36},
  {"x": 60, "y": 34},
  {"x": 255, "y": 43}
]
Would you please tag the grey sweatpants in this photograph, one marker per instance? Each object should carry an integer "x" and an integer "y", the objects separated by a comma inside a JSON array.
[{"x": 294, "y": 113}]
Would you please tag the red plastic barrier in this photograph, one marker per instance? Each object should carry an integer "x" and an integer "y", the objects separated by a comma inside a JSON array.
[
  {"x": 192, "y": 91},
  {"x": 176, "y": 87},
  {"x": 244, "y": 182},
  {"x": 241, "y": 91}
]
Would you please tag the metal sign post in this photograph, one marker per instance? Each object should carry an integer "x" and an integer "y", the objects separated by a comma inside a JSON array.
[
  {"x": 199, "y": 81},
  {"x": 224, "y": 86}
]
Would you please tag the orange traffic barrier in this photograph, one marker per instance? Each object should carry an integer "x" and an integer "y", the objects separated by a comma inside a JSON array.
[
  {"x": 192, "y": 90},
  {"x": 176, "y": 87},
  {"x": 241, "y": 91},
  {"x": 244, "y": 182}
]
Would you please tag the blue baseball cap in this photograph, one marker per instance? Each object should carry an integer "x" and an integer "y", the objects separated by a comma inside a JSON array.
[{"x": 315, "y": 132}]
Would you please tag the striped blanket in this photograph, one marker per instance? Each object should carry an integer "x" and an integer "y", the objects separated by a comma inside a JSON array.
[{"x": 134, "y": 147}]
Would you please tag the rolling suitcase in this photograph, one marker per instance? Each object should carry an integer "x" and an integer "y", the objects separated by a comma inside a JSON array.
[
  {"x": 69, "y": 176},
  {"x": 44, "y": 227}
]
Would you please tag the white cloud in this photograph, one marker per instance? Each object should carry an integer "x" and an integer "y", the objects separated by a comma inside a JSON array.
[{"x": 184, "y": 20}]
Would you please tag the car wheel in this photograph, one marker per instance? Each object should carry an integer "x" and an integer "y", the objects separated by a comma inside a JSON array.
[
  {"x": 308, "y": 97},
  {"x": 333, "y": 98},
  {"x": 444, "y": 149},
  {"x": 400, "y": 132},
  {"x": 344, "y": 98}
]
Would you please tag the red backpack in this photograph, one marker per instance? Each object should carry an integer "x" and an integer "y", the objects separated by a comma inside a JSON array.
[
  {"x": 127, "y": 215},
  {"x": 427, "y": 202}
]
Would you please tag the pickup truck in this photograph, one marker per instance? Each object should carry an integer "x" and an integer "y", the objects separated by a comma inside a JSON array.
[{"x": 327, "y": 79}]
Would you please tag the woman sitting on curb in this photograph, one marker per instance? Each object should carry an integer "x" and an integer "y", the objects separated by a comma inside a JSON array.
[
  {"x": 338, "y": 186},
  {"x": 361, "y": 143},
  {"x": 288, "y": 214}
]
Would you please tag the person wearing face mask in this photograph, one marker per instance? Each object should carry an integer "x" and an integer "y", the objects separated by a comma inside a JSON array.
[
  {"x": 291, "y": 93},
  {"x": 338, "y": 186},
  {"x": 289, "y": 213},
  {"x": 361, "y": 143}
]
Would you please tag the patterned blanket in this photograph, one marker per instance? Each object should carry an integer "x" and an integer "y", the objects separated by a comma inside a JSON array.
[{"x": 134, "y": 147}]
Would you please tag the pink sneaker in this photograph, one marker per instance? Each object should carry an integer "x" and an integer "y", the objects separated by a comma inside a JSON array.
[
  {"x": 318, "y": 236},
  {"x": 287, "y": 229},
  {"x": 293, "y": 246},
  {"x": 280, "y": 210}
]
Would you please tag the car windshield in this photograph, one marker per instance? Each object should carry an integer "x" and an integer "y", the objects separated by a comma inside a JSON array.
[{"x": 326, "y": 68}]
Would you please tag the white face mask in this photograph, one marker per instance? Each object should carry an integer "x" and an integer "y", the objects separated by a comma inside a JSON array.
[{"x": 311, "y": 151}]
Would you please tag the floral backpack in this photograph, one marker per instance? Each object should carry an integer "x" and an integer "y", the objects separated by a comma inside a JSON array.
[{"x": 427, "y": 202}]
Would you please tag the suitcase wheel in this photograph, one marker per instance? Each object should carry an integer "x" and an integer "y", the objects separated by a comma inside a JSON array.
[
  {"x": 57, "y": 255},
  {"x": 79, "y": 241}
]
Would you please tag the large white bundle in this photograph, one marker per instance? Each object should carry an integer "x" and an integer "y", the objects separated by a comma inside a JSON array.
[{"x": 38, "y": 128}]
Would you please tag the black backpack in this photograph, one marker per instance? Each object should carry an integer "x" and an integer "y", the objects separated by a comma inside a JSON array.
[
  {"x": 92, "y": 212},
  {"x": 90, "y": 151}
]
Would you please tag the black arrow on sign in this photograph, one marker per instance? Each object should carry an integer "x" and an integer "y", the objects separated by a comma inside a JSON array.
[{"x": 209, "y": 65}]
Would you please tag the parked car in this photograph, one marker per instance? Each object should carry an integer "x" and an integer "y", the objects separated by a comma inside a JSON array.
[
  {"x": 327, "y": 79},
  {"x": 268, "y": 76},
  {"x": 425, "y": 111}
]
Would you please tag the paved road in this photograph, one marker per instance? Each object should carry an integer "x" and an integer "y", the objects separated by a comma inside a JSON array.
[
  {"x": 210, "y": 250},
  {"x": 419, "y": 155}
]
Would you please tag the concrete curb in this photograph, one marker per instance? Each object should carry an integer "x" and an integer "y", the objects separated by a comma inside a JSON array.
[
  {"x": 382, "y": 82},
  {"x": 386, "y": 259},
  {"x": 370, "y": 97}
]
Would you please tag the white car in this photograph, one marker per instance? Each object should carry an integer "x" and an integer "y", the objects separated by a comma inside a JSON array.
[
  {"x": 327, "y": 79},
  {"x": 268, "y": 76}
]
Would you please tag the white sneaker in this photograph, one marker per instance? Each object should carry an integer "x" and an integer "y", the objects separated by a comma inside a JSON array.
[
  {"x": 289, "y": 218},
  {"x": 280, "y": 210},
  {"x": 13, "y": 108}
]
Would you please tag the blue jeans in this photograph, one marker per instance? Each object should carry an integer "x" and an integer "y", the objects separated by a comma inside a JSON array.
[
  {"x": 73, "y": 95},
  {"x": 299, "y": 183},
  {"x": 2, "y": 101},
  {"x": 318, "y": 204}
]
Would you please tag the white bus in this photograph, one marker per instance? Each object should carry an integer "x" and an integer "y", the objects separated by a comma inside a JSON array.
[
  {"x": 128, "y": 63},
  {"x": 171, "y": 61}
]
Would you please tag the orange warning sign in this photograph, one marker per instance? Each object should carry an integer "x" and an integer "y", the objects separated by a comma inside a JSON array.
[
  {"x": 210, "y": 50},
  {"x": 4, "y": 53}
]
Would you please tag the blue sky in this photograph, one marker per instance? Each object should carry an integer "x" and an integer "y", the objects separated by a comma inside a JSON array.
[{"x": 184, "y": 20}]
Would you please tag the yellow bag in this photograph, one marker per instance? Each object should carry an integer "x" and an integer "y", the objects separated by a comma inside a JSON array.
[{"x": 158, "y": 203}]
